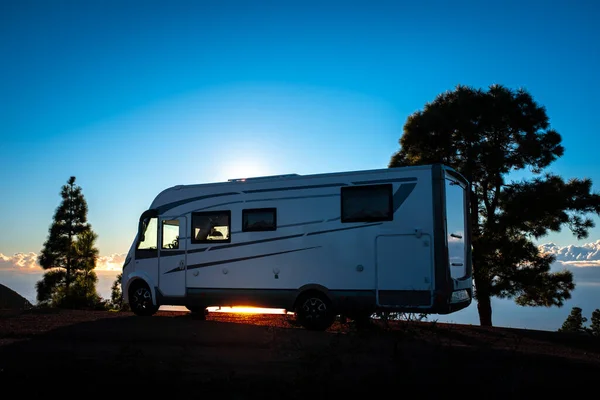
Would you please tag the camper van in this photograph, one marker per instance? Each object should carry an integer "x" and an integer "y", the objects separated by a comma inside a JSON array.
[{"x": 323, "y": 245}]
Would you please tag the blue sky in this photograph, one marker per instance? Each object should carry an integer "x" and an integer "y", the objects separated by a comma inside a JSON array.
[{"x": 134, "y": 96}]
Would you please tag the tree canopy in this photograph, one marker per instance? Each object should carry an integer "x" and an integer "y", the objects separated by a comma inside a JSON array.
[
  {"x": 69, "y": 254},
  {"x": 486, "y": 135},
  {"x": 574, "y": 322}
]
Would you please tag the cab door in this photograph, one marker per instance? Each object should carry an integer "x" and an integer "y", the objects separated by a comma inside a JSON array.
[{"x": 172, "y": 260}]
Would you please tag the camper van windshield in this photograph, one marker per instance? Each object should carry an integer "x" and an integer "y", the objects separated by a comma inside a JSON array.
[{"x": 149, "y": 241}]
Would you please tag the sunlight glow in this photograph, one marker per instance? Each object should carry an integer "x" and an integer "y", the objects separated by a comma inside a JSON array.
[
  {"x": 244, "y": 167},
  {"x": 246, "y": 310}
]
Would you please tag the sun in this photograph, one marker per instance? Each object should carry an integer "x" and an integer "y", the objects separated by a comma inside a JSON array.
[{"x": 245, "y": 167}]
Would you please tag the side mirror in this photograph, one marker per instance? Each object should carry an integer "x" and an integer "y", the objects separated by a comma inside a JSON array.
[{"x": 141, "y": 235}]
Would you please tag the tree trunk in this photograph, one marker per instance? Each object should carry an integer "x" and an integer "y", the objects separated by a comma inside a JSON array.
[{"x": 484, "y": 307}]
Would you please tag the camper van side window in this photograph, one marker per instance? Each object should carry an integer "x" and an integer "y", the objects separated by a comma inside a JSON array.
[
  {"x": 259, "y": 219},
  {"x": 170, "y": 234},
  {"x": 211, "y": 226},
  {"x": 367, "y": 203}
]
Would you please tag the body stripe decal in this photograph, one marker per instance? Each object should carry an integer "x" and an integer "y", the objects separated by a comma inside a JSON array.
[
  {"x": 294, "y": 197},
  {"x": 219, "y": 205},
  {"x": 402, "y": 194},
  {"x": 300, "y": 224},
  {"x": 412, "y": 179},
  {"x": 399, "y": 198},
  {"x": 295, "y": 188},
  {"x": 197, "y": 250},
  {"x": 342, "y": 229},
  {"x": 167, "y": 253},
  {"x": 168, "y": 206},
  {"x": 232, "y": 260},
  {"x": 226, "y": 246}
]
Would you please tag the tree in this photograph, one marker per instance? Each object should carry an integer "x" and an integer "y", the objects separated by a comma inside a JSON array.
[
  {"x": 486, "y": 135},
  {"x": 69, "y": 254},
  {"x": 574, "y": 322},
  {"x": 595, "y": 325},
  {"x": 116, "y": 295},
  {"x": 84, "y": 286}
]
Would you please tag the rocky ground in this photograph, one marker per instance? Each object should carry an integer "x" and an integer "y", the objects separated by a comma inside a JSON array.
[{"x": 243, "y": 356}]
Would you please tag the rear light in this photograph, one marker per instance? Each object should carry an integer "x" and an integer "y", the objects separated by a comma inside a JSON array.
[{"x": 459, "y": 296}]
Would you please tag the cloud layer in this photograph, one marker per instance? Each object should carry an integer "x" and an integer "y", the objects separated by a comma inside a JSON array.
[
  {"x": 587, "y": 255},
  {"x": 21, "y": 271},
  {"x": 26, "y": 263}
]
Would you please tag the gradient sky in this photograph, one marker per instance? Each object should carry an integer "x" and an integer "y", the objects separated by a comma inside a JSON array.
[{"x": 132, "y": 97}]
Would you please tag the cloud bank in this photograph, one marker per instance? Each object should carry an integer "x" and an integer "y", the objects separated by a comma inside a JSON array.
[
  {"x": 26, "y": 263},
  {"x": 587, "y": 255},
  {"x": 21, "y": 272}
]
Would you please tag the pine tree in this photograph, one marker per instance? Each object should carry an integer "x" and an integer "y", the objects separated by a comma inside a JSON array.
[
  {"x": 69, "y": 254},
  {"x": 84, "y": 286},
  {"x": 574, "y": 322},
  {"x": 116, "y": 295},
  {"x": 595, "y": 325}
]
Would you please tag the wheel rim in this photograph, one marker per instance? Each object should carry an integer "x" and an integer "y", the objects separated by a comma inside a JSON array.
[
  {"x": 142, "y": 298},
  {"x": 314, "y": 309}
]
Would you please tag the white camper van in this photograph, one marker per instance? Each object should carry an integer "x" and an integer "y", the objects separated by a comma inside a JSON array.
[{"x": 347, "y": 243}]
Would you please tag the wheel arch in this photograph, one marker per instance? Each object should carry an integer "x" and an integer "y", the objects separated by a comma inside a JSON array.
[
  {"x": 136, "y": 277},
  {"x": 311, "y": 287}
]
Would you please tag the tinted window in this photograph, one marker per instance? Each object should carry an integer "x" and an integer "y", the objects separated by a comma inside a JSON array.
[
  {"x": 170, "y": 234},
  {"x": 367, "y": 203},
  {"x": 259, "y": 219},
  {"x": 210, "y": 227}
]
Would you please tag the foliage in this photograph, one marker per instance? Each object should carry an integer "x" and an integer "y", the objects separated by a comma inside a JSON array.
[
  {"x": 69, "y": 255},
  {"x": 400, "y": 316},
  {"x": 595, "y": 323},
  {"x": 116, "y": 295},
  {"x": 487, "y": 135},
  {"x": 574, "y": 322}
]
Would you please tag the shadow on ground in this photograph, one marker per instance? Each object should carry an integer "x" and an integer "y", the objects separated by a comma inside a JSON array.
[{"x": 235, "y": 357}]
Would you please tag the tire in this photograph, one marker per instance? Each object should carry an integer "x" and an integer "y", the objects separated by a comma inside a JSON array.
[
  {"x": 140, "y": 300},
  {"x": 314, "y": 311},
  {"x": 198, "y": 312}
]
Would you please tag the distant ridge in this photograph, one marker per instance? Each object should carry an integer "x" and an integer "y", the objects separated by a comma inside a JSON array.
[{"x": 11, "y": 300}]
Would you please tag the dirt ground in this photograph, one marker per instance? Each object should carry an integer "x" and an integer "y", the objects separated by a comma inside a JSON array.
[{"x": 242, "y": 356}]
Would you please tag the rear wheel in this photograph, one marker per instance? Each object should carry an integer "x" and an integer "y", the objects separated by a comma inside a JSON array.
[
  {"x": 140, "y": 299},
  {"x": 314, "y": 311}
]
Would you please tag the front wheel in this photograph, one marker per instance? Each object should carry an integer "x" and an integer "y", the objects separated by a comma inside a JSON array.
[
  {"x": 140, "y": 300},
  {"x": 314, "y": 311}
]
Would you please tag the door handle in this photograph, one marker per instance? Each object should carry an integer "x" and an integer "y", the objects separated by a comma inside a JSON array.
[
  {"x": 454, "y": 235},
  {"x": 181, "y": 265}
]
